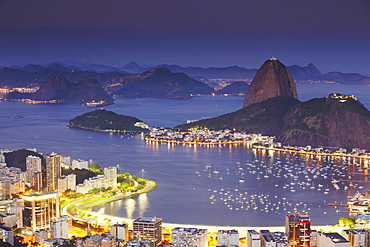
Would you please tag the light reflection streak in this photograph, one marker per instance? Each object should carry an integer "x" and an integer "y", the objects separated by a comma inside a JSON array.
[
  {"x": 143, "y": 203},
  {"x": 130, "y": 207}
]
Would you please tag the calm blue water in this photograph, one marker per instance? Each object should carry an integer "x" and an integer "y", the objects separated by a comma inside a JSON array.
[{"x": 187, "y": 191}]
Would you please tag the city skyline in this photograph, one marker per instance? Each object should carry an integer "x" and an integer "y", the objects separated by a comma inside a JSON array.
[{"x": 332, "y": 34}]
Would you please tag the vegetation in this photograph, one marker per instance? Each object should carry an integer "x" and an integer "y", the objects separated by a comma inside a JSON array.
[
  {"x": 81, "y": 174},
  {"x": 105, "y": 120},
  {"x": 96, "y": 168},
  {"x": 97, "y": 190},
  {"x": 18, "y": 158},
  {"x": 346, "y": 222},
  {"x": 263, "y": 117}
]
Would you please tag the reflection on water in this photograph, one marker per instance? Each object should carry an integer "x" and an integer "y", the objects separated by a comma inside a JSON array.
[
  {"x": 246, "y": 188},
  {"x": 143, "y": 203},
  {"x": 137, "y": 204},
  {"x": 130, "y": 207}
]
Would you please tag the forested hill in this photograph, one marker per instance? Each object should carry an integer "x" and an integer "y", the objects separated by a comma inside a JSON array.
[{"x": 103, "y": 120}]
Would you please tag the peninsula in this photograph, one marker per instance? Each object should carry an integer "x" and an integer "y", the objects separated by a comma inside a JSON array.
[{"x": 271, "y": 108}]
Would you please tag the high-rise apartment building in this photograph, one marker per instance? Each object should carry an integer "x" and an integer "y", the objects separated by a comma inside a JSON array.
[
  {"x": 5, "y": 188},
  {"x": 67, "y": 183},
  {"x": 80, "y": 164},
  {"x": 253, "y": 239},
  {"x": 120, "y": 231},
  {"x": 148, "y": 228},
  {"x": 53, "y": 171},
  {"x": 59, "y": 229},
  {"x": 33, "y": 164},
  {"x": 298, "y": 230},
  {"x": 36, "y": 181},
  {"x": 228, "y": 237},
  {"x": 358, "y": 237},
  {"x": 40, "y": 210},
  {"x": 71, "y": 181},
  {"x": 190, "y": 237},
  {"x": 110, "y": 174}
]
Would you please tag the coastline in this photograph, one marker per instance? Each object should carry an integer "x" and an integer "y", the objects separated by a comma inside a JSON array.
[
  {"x": 258, "y": 147},
  {"x": 312, "y": 153},
  {"x": 150, "y": 139},
  {"x": 105, "y": 131},
  {"x": 69, "y": 208},
  {"x": 99, "y": 218}
]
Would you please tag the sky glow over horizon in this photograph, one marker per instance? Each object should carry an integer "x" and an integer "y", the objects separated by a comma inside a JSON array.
[{"x": 333, "y": 34}]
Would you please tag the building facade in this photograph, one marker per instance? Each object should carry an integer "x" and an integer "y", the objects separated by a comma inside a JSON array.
[
  {"x": 358, "y": 237},
  {"x": 33, "y": 164},
  {"x": 191, "y": 237},
  {"x": 80, "y": 164},
  {"x": 228, "y": 237},
  {"x": 110, "y": 174},
  {"x": 53, "y": 171},
  {"x": 7, "y": 235},
  {"x": 40, "y": 210},
  {"x": 59, "y": 229},
  {"x": 120, "y": 231},
  {"x": 36, "y": 181},
  {"x": 253, "y": 238},
  {"x": 148, "y": 228},
  {"x": 298, "y": 230}
]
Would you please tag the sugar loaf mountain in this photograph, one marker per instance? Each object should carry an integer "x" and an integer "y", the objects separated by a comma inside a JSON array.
[{"x": 271, "y": 107}]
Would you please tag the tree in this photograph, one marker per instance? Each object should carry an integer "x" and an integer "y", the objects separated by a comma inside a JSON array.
[
  {"x": 81, "y": 174},
  {"x": 346, "y": 222},
  {"x": 94, "y": 166}
]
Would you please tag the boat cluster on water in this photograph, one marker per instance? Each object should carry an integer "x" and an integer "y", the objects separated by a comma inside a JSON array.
[
  {"x": 239, "y": 200},
  {"x": 273, "y": 185}
]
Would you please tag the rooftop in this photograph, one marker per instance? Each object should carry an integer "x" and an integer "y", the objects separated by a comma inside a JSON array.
[
  {"x": 336, "y": 237},
  {"x": 148, "y": 219}
]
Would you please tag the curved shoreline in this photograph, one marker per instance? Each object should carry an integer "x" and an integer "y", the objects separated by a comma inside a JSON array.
[
  {"x": 102, "y": 218},
  {"x": 69, "y": 208}
]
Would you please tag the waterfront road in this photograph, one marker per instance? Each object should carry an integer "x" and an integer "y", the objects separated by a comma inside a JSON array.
[{"x": 104, "y": 219}]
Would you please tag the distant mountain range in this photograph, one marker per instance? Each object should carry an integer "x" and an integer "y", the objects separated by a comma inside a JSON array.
[
  {"x": 34, "y": 74},
  {"x": 155, "y": 83},
  {"x": 59, "y": 89},
  {"x": 235, "y": 88},
  {"x": 159, "y": 83}
]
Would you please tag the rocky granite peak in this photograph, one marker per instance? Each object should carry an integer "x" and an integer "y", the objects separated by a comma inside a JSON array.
[{"x": 271, "y": 80}]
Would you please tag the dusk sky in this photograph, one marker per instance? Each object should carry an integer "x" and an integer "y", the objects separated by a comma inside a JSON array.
[{"x": 332, "y": 34}]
